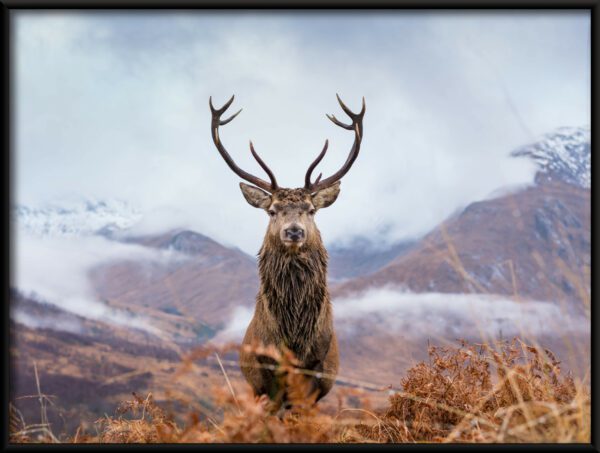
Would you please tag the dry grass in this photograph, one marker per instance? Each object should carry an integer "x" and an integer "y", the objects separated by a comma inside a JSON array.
[
  {"x": 495, "y": 392},
  {"x": 508, "y": 392}
]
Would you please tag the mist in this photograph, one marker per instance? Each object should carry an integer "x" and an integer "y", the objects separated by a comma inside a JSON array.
[
  {"x": 55, "y": 270},
  {"x": 440, "y": 316},
  {"x": 53, "y": 323}
]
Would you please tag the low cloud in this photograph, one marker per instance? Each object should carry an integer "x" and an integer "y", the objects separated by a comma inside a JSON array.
[
  {"x": 55, "y": 270},
  {"x": 437, "y": 315},
  {"x": 456, "y": 315},
  {"x": 53, "y": 323},
  {"x": 235, "y": 329}
]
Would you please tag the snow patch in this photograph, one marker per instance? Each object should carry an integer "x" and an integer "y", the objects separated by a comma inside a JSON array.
[
  {"x": 564, "y": 154},
  {"x": 69, "y": 218}
]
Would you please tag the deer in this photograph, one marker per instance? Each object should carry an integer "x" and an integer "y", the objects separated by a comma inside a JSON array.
[{"x": 293, "y": 310}]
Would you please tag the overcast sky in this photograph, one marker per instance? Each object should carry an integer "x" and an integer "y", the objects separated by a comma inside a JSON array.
[{"x": 116, "y": 106}]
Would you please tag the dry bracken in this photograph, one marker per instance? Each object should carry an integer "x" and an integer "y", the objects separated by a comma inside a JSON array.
[{"x": 500, "y": 392}]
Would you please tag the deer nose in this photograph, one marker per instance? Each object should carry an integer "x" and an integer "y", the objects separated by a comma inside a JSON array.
[{"x": 294, "y": 233}]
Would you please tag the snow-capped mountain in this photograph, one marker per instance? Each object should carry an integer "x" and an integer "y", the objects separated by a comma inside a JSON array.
[
  {"x": 75, "y": 218},
  {"x": 564, "y": 155},
  {"x": 503, "y": 244}
]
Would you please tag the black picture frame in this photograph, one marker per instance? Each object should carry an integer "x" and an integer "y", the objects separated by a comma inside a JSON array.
[{"x": 9, "y": 6}]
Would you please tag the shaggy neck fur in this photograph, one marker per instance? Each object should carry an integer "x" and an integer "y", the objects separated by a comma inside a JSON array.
[{"x": 294, "y": 288}]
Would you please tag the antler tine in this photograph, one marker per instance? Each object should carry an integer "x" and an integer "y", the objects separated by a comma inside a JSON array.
[
  {"x": 222, "y": 109},
  {"x": 264, "y": 167},
  {"x": 215, "y": 123},
  {"x": 349, "y": 112},
  {"x": 307, "y": 183},
  {"x": 339, "y": 123},
  {"x": 357, "y": 127},
  {"x": 354, "y": 116},
  {"x": 224, "y": 122}
]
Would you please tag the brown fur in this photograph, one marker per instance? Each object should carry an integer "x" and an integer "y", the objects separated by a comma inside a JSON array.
[{"x": 293, "y": 308}]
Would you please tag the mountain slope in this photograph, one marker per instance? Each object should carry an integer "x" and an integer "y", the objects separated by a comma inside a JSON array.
[
  {"x": 362, "y": 257},
  {"x": 206, "y": 287},
  {"x": 92, "y": 366},
  {"x": 534, "y": 243}
]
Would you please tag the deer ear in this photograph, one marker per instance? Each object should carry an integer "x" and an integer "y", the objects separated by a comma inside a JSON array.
[
  {"x": 255, "y": 196},
  {"x": 326, "y": 197}
]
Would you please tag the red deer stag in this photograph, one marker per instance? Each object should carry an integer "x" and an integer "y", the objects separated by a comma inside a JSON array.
[{"x": 293, "y": 309}]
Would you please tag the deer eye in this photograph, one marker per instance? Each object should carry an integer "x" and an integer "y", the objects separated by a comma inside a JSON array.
[
  {"x": 312, "y": 212},
  {"x": 272, "y": 213}
]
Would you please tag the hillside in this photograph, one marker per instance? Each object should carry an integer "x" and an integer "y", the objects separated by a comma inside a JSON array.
[
  {"x": 534, "y": 243},
  {"x": 88, "y": 366},
  {"x": 207, "y": 287},
  {"x": 460, "y": 394}
]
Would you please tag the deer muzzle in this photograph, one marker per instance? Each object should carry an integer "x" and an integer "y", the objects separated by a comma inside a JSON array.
[{"x": 294, "y": 233}]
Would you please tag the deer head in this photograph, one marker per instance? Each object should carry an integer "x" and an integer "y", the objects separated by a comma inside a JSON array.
[{"x": 291, "y": 211}]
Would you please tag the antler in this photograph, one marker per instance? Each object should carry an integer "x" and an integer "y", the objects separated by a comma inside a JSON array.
[
  {"x": 357, "y": 127},
  {"x": 216, "y": 122}
]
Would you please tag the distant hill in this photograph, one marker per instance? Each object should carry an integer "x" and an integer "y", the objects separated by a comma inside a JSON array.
[
  {"x": 207, "y": 287},
  {"x": 362, "y": 257}
]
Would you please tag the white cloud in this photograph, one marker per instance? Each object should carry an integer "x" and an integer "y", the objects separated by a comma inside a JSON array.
[
  {"x": 453, "y": 316},
  {"x": 236, "y": 327},
  {"x": 115, "y": 106},
  {"x": 53, "y": 323},
  {"x": 55, "y": 270}
]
